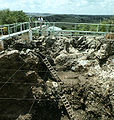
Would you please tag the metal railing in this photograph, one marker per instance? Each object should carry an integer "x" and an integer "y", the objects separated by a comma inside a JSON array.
[
  {"x": 81, "y": 28},
  {"x": 68, "y": 28}
]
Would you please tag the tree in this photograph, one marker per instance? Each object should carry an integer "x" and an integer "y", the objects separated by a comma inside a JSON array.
[{"x": 9, "y": 17}]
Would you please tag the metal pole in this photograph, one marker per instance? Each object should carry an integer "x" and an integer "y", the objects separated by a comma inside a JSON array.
[
  {"x": 75, "y": 28},
  {"x": 107, "y": 29},
  {"x": 1, "y": 45},
  {"x": 53, "y": 28},
  {"x": 35, "y": 23},
  {"x": 30, "y": 35},
  {"x": 9, "y": 30},
  {"x": 97, "y": 28},
  {"x": 21, "y": 27},
  {"x": 15, "y": 28},
  {"x": 2, "y": 30},
  {"x": 30, "y": 29}
]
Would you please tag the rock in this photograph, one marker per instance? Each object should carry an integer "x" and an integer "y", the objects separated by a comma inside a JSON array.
[
  {"x": 102, "y": 53},
  {"x": 25, "y": 117},
  {"x": 1, "y": 45},
  {"x": 62, "y": 58}
]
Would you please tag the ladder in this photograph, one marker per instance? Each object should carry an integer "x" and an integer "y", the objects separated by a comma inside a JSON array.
[
  {"x": 68, "y": 107},
  {"x": 63, "y": 97},
  {"x": 51, "y": 69}
]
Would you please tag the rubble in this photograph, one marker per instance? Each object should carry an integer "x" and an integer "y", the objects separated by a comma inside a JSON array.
[
  {"x": 85, "y": 65},
  {"x": 24, "y": 117}
]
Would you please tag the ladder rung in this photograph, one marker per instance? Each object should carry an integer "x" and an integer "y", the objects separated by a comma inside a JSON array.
[
  {"x": 63, "y": 97},
  {"x": 71, "y": 114},
  {"x": 69, "y": 108},
  {"x": 53, "y": 71},
  {"x": 66, "y": 102},
  {"x": 72, "y": 117},
  {"x": 51, "y": 68},
  {"x": 46, "y": 62},
  {"x": 48, "y": 65}
]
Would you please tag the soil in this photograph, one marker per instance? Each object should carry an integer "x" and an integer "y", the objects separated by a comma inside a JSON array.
[{"x": 85, "y": 67}]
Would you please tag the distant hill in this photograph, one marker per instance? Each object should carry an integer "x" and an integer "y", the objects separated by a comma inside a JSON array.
[
  {"x": 39, "y": 14},
  {"x": 72, "y": 17},
  {"x": 78, "y": 18}
]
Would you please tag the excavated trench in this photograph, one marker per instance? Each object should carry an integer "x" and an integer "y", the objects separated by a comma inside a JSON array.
[{"x": 85, "y": 66}]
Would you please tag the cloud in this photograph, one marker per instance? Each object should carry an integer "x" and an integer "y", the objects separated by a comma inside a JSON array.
[{"x": 61, "y": 6}]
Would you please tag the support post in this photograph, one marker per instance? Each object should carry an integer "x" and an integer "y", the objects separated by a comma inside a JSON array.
[
  {"x": 35, "y": 23},
  {"x": 30, "y": 34},
  {"x": 24, "y": 26},
  {"x": 53, "y": 29},
  {"x": 1, "y": 45},
  {"x": 9, "y": 30},
  {"x": 97, "y": 28},
  {"x": 30, "y": 29},
  {"x": 15, "y": 28},
  {"x": 21, "y": 27},
  {"x": 75, "y": 28},
  {"x": 107, "y": 28}
]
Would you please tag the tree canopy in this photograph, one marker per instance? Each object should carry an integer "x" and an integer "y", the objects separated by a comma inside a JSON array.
[{"x": 9, "y": 17}]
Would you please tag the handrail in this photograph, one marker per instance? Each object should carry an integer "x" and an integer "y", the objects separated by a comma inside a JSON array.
[
  {"x": 18, "y": 27},
  {"x": 60, "y": 23}
]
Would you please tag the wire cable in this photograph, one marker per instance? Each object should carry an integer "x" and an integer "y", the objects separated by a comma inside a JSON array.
[
  {"x": 17, "y": 83},
  {"x": 31, "y": 106},
  {"x": 11, "y": 76}
]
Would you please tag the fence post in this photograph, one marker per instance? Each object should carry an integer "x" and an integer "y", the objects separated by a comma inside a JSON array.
[
  {"x": 53, "y": 29},
  {"x": 30, "y": 29},
  {"x": 107, "y": 29},
  {"x": 1, "y": 45},
  {"x": 75, "y": 28},
  {"x": 35, "y": 23},
  {"x": 98, "y": 28},
  {"x": 1, "y": 30},
  {"x": 21, "y": 27},
  {"x": 15, "y": 28},
  {"x": 9, "y": 30}
]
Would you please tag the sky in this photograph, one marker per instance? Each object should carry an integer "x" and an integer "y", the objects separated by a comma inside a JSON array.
[{"x": 85, "y": 7}]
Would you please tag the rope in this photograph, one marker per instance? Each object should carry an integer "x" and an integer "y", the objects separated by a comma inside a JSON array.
[
  {"x": 30, "y": 99},
  {"x": 11, "y": 77},
  {"x": 23, "y": 99},
  {"x": 18, "y": 70},
  {"x": 19, "y": 83},
  {"x": 31, "y": 106}
]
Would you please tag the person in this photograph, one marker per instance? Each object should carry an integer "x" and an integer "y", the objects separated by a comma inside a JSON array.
[
  {"x": 40, "y": 20},
  {"x": 31, "y": 21},
  {"x": 5, "y": 30}
]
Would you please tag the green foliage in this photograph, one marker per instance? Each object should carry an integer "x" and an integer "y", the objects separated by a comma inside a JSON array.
[
  {"x": 103, "y": 19},
  {"x": 109, "y": 28},
  {"x": 78, "y": 18},
  {"x": 9, "y": 17}
]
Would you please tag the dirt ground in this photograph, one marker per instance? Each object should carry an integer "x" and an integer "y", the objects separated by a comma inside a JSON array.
[{"x": 85, "y": 66}]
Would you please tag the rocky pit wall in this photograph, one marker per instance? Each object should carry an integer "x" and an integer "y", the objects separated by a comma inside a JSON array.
[{"x": 85, "y": 65}]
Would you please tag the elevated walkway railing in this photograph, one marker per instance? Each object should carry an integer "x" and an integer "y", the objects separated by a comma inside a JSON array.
[
  {"x": 68, "y": 28},
  {"x": 18, "y": 28}
]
